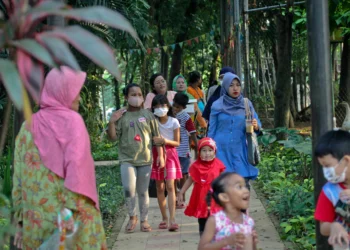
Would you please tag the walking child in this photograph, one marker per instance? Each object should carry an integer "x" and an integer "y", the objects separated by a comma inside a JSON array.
[
  {"x": 230, "y": 228},
  {"x": 169, "y": 128},
  {"x": 332, "y": 210},
  {"x": 135, "y": 127},
  {"x": 202, "y": 173},
  {"x": 187, "y": 131}
]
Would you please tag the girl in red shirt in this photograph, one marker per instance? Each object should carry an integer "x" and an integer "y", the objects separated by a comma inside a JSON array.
[{"x": 202, "y": 173}]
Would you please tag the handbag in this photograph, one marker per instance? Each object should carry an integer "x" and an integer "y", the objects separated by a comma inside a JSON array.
[
  {"x": 152, "y": 189},
  {"x": 252, "y": 140}
]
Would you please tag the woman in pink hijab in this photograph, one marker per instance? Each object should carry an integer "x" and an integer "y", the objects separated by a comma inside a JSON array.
[{"x": 54, "y": 170}]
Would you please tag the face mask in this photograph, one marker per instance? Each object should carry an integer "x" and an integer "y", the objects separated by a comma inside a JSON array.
[
  {"x": 220, "y": 82},
  {"x": 331, "y": 176},
  {"x": 161, "y": 112},
  {"x": 135, "y": 101}
]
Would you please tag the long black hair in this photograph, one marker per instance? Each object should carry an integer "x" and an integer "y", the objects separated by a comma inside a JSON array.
[{"x": 162, "y": 99}]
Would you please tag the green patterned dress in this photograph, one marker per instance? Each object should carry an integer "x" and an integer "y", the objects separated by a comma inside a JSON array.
[{"x": 39, "y": 194}]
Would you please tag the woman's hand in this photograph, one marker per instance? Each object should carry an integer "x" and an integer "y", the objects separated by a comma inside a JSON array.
[
  {"x": 18, "y": 242},
  {"x": 338, "y": 235},
  {"x": 116, "y": 115},
  {"x": 158, "y": 140},
  {"x": 255, "y": 124}
]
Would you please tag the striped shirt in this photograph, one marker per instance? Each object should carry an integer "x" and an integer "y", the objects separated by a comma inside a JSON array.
[{"x": 186, "y": 128}]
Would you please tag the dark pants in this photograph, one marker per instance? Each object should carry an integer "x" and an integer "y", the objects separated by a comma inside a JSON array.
[{"x": 201, "y": 222}]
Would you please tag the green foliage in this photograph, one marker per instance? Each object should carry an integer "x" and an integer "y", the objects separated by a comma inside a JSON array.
[
  {"x": 104, "y": 150},
  {"x": 110, "y": 192},
  {"x": 286, "y": 180}
]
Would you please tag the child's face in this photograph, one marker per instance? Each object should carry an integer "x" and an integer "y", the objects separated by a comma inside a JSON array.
[
  {"x": 334, "y": 170},
  {"x": 177, "y": 108},
  {"x": 237, "y": 194},
  {"x": 207, "y": 153}
]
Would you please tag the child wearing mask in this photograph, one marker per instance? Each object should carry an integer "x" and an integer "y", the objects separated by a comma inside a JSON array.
[
  {"x": 169, "y": 128},
  {"x": 333, "y": 206},
  {"x": 135, "y": 127}
]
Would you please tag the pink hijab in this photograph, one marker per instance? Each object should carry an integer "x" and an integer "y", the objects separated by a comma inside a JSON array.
[{"x": 60, "y": 133}]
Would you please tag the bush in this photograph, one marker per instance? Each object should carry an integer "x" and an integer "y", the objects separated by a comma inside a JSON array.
[
  {"x": 286, "y": 180},
  {"x": 104, "y": 150},
  {"x": 111, "y": 195}
]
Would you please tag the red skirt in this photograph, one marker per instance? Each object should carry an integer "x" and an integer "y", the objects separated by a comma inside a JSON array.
[{"x": 172, "y": 165}]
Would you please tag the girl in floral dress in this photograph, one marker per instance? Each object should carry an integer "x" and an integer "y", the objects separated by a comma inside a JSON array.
[
  {"x": 230, "y": 228},
  {"x": 54, "y": 169}
]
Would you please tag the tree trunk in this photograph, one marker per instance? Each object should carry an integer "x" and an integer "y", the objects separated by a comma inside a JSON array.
[
  {"x": 295, "y": 89},
  {"x": 284, "y": 53},
  {"x": 214, "y": 65},
  {"x": 226, "y": 29},
  {"x": 344, "y": 88}
]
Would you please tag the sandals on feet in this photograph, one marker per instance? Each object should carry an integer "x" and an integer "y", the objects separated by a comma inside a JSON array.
[
  {"x": 163, "y": 225},
  {"x": 180, "y": 206},
  {"x": 145, "y": 227},
  {"x": 173, "y": 227},
  {"x": 130, "y": 227}
]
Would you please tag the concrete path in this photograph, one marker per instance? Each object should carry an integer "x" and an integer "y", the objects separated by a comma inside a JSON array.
[
  {"x": 187, "y": 237},
  {"x": 106, "y": 163}
]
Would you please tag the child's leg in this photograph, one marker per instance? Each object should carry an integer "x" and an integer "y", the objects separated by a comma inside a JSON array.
[
  {"x": 202, "y": 222},
  {"x": 185, "y": 164},
  {"x": 142, "y": 183},
  {"x": 161, "y": 199},
  {"x": 128, "y": 176},
  {"x": 182, "y": 182},
  {"x": 170, "y": 186}
]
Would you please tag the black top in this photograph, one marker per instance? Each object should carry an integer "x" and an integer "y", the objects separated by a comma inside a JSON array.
[{"x": 212, "y": 99}]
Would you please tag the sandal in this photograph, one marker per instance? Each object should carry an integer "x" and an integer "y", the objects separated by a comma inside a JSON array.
[
  {"x": 163, "y": 225},
  {"x": 145, "y": 227},
  {"x": 173, "y": 227},
  {"x": 130, "y": 227},
  {"x": 180, "y": 206}
]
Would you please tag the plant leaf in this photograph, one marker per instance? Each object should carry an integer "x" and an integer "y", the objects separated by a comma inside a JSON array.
[
  {"x": 12, "y": 82},
  {"x": 96, "y": 14},
  {"x": 31, "y": 72},
  {"x": 36, "y": 50},
  {"x": 59, "y": 50},
  {"x": 89, "y": 45}
]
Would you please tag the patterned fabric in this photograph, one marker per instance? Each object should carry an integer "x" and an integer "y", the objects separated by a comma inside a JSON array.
[
  {"x": 39, "y": 194},
  {"x": 186, "y": 128},
  {"x": 225, "y": 227},
  {"x": 172, "y": 165}
]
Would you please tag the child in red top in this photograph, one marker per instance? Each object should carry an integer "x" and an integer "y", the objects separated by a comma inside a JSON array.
[
  {"x": 332, "y": 210},
  {"x": 202, "y": 173}
]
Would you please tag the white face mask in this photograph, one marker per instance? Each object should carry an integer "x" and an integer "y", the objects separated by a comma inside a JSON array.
[
  {"x": 161, "y": 112},
  {"x": 331, "y": 176},
  {"x": 135, "y": 101},
  {"x": 220, "y": 82}
]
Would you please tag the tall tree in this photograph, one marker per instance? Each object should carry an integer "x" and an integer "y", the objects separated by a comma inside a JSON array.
[{"x": 283, "y": 89}]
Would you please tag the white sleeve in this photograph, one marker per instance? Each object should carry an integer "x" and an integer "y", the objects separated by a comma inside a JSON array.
[{"x": 176, "y": 123}]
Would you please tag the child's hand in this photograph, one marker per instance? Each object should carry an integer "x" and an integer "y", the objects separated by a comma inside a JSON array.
[
  {"x": 157, "y": 140},
  {"x": 345, "y": 196},
  {"x": 236, "y": 240},
  {"x": 338, "y": 235},
  {"x": 160, "y": 162},
  {"x": 116, "y": 115},
  {"x": 255, "y": 237}
]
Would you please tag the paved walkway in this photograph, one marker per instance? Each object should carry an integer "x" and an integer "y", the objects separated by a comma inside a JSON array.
[{"x": 187, "y": 237}]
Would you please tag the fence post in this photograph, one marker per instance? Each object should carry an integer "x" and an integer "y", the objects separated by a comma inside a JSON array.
[
  {"x": 321, "y": 88},
  {"x": 237, "y": 35}
]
